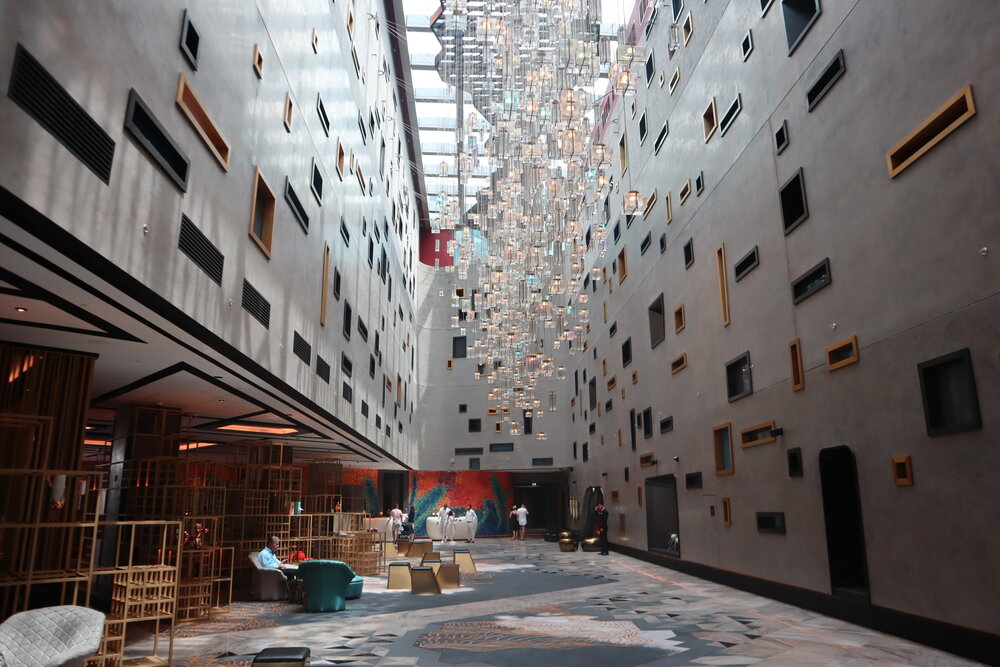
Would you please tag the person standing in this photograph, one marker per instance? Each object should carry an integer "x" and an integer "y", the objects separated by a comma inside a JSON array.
[
  {"x": 396, "y": 515},
  {"x": 512, "y": 519},
  {"x": 471, "y": 523},
  {"x": 601, "y": 515},
  {"x": 450, "y": 530},
  {"x": 522, "y": 519},
  {"x": 443, "y": 521}
]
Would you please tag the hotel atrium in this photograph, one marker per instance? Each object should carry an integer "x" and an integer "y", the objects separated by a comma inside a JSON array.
[{"x": 274, "y": 271}]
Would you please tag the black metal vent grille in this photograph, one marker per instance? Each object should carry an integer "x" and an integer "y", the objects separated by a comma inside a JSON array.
[
  {"x": 35, "y": 90},
  {"x": 322, "y": 369},
  {"x": 255, "y": 304},
  {"x": 196, "y": 245},
  {"x": 301, "y": 348}
]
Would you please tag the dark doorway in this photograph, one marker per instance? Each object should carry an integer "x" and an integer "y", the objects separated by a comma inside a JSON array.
[
  {"x": 663, "y": 526},
  {"x": 845, "y": 538},
  {"x": 392, "y": 485},
  {"x": 543, "y": 502}
]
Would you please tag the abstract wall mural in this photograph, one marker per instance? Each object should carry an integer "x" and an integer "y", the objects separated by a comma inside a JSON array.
[{"x": 489, "y": 493}]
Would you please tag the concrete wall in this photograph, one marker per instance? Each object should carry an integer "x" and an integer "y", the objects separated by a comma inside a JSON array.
[
  {"x": 908, "y": 280},
  {"x": 98, "y": 51}
]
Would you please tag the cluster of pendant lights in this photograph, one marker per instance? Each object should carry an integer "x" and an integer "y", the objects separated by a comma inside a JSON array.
[{"x": 531, "y": 68}]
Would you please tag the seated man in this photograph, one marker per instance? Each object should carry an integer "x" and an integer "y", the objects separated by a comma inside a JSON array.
[{"x": 268, "y": 558}]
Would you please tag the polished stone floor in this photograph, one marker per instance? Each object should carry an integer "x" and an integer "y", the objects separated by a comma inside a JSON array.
[{"x": 530, "y": 604}]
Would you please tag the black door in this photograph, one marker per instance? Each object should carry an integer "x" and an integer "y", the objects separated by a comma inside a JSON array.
[
  {"x": 663, "y": 526},
  {"x": 845, "y": 538}
]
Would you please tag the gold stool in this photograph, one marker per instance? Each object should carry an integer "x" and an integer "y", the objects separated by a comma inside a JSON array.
[
  {"x": 590, "y": 544},
  {"x": 389, "y": 550},
  {"x": 399, "y": 576},
  {"x": 419, "y": 547},
  {"x": 402, "y": 547},
  {"x": 430, "y": 557},
  {"x": 567, "y": 544},
  {"x": 423, "y": 581},
  {"x": 463, "y": 558},
  {"x": 449, "y": 576}
]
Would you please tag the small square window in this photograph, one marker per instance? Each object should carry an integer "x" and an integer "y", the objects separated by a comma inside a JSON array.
[
  {"x": 746, "y": 46},
  {"x": 475, "y": 425},
  {"x": 190, "y": 40},
  {"x": 794, "y": 208},
  {"x": 781, "y": 138},
  {"x": 463, "y": 408}
]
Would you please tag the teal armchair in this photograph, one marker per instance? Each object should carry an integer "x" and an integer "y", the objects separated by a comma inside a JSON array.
[{"x": 329, "y": 584}]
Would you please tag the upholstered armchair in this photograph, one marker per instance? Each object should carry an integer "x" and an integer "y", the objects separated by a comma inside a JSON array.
[
  {"x": 268, "y": 583},
  {"x": 329, "y": 584},
  {"x": 51, "y": 637}
]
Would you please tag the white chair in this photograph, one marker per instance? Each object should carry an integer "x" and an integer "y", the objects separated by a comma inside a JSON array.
[
  {"x": 269, "y": 583},
  {"x": 51, "y": 637}
]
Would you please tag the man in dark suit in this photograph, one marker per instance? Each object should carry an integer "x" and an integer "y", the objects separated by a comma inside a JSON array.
[{"x": 601, "y": 514}]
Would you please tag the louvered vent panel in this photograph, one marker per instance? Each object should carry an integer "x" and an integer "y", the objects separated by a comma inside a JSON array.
[
  {"x": 322, "y": 369},
  {"x": 255, "y": 304},
  {"x": 41, "y": 96},
  {"x": 196, "y": 246},
  {"x": 301, "y": 348}
]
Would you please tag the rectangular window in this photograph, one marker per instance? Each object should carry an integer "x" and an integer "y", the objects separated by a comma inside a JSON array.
[
  {"x": 929, "y": 133},
  {"x": 794, "y": 208},
  {"x": 729, "y": 117},
  {"x": 294, "y": 203},
  {"x": 843, "y": 353},
  {"x": 685, "y": 191},
  {"x": 678, "y": 364},
  {"x": 660, "y": 138},
  {"x": 692, "y": 480},
  {"x": 739, "y": 379},
  {"x": 623, "y": 153},
  {"x": 542, "y": 461},
  {"x": 202, "y": 121},
  {"x": 262, "y": 213},
  {"x": 475, "y": 425},
  {"x": 795, "y": 356},
  {"x": 326, "y": 281},
  {"x": 758, "y": 434},
  {"x": 687, "y": 28},
  {"x": 771, "y": 522},
  {"x": 466, "y": 451},
  {"x": 826, "y": 80},
  {"x": 316, "y": 184},
  {"x": 459, "y": 347},
  {"x": 347, "y": 392},
  {"x": 720, "y": 257},
  {"x": 345, "y": 233},
  {"x": 289, "y": 114},
  {"x": 746, "y": 264},
  {"x": 799, "y": 16},
  {"x": 667, "y": 424},
  {"x": 811, "y": 281},
  {"x": 324, "y": 119},
  {"x": 622, "y": 265},
  {"x": 722, "y": 439},
  {"x": 902, "y": 470},
  {"x": 348, "y": 320},
  {"x": 190, "y": 40},
  {"x": 642, "y": 128},
  {"x": 781, "y": 138},
  {"x": 336, "y": 284},
  {"x": 794, "y": 460},
  {"x": 679, "y": 319},
  {"x": 139, "y": 122},
  {"x": 627, "y": 352},
  {"x": 727, "y": 511},
  {"x": 674, "y": 80},
  {"x": 258, "y": 61},
  {"x": 341, "y": 159},
  {"x": 647, "y": 423},
  {"x": 473, "y": 463},
  {"x": 948, "y": 389},
  {"x": 503, "y": 446},
  {"x": 746, "y": 46},
  {"x": 709, "y": 120},
  {"x": 650, "y": 69}
]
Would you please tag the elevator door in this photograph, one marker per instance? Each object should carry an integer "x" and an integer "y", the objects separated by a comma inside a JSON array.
[
  {"x": 663, "y": 527},
  {"x": 845, "y": 538}
]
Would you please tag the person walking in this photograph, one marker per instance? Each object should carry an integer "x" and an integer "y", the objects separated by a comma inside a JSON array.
[
  {"x": 396, "y": 515},
  {"x": 512, "y": 520},
  {"x": 471, "y": 523},
  {"x": 522, "y": 519},
  {"x": 601, "y": 515}
]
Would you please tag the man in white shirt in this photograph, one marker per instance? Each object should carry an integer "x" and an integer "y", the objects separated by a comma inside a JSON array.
[
  {"x": 522, "y": 519},
  {"x": 472, "y": 523},
  {"x": 443, "y": 521}
]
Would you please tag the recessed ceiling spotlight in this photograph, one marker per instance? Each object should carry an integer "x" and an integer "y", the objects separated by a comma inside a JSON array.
[
  {"x": 222, "y": 400},
  {"x": 21, "y": 309}
]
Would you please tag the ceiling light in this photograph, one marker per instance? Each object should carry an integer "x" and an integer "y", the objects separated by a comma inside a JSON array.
[
  {"x": 268, "y": 430},
  {"x": 21, "y": 309}
]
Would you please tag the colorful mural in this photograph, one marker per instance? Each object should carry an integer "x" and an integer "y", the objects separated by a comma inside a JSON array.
[{"x": 489, "y": 493}]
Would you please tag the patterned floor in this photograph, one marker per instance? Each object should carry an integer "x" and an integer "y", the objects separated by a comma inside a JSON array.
[{"x": 532, "y": 604}]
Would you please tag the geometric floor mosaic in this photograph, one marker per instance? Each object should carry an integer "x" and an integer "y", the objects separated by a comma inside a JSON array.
[{"x": 531, "y": 604}]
